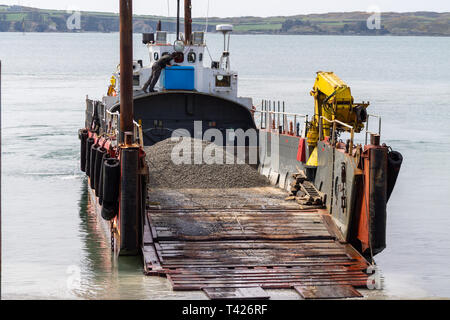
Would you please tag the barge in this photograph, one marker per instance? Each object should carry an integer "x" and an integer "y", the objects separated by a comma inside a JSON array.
[{"x": 313, "y": 222}]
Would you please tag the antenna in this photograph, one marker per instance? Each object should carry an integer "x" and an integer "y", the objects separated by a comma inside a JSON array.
[
  {"x": 226, "y": 30},
  {"x": 207, "y": 18}
]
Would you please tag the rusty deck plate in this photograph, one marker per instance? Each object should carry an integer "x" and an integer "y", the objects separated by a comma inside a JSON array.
[
  {"x": 234, "y": 248},
  {"x": 327, "y": 292},
  {"x": 251, "y": 293}
]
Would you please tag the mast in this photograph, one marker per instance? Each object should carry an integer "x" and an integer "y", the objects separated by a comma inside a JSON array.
[
  {"x": 129, "y": 216},
  {"x": 187, "y": 21},
  {"x": 126, "y": 68},
  {"x": 0, "y": 179},
  {"x": 178, "y": 19}
]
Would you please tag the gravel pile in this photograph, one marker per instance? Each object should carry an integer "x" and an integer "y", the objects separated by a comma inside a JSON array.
[{"x": 164, "y": 173}]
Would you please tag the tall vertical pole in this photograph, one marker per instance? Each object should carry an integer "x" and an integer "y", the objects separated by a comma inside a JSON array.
[
  {"x": 187, "y": 21},
  {"x": 178, "y": 19},
  {"x": 126, "y": 67},
  {"x": 0, "y": 179},
  {"x": 129, "y": 152}
]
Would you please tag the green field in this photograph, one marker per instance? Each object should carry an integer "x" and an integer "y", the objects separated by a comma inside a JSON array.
[
  {"x": 257, "y": 27},
  {"x": 16, "y": 18}
]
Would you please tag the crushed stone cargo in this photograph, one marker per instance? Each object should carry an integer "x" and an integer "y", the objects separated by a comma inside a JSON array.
[{"x": 166, "y": 173}]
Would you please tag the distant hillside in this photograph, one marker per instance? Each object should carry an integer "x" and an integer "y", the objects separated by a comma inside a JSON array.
[{"x": 25, "y": 19}]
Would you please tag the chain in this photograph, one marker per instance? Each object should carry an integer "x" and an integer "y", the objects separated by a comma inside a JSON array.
[{"x": 112, "y": 237}]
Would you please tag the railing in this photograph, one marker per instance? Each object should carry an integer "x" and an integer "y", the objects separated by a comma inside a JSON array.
[
  {"x": 113, "y": 127},
  {"x": 333, "y": 135},
  {"x": 138, "y": 134},
  {"x": 281, "y": 121},
  {"x": 367, "y": 125},
  {"x": 112, "y": 120}
]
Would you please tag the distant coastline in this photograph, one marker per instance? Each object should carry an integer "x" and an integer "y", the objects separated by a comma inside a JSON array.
[{"x": 27, "y": 19}]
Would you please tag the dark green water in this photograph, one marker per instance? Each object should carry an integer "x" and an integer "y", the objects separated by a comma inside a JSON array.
[{"x": 49, "y": 237}]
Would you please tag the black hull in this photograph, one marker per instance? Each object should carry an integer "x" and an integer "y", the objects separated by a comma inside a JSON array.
[
  {"x": 339, "y": 175},
  {"x": 162, "y": 113}
]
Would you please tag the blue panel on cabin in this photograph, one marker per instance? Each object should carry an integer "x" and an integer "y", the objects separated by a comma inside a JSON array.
[{"x": 179, "y": 78}]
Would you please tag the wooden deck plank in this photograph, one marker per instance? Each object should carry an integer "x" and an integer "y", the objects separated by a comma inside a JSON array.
[
  {"x": 226, "y": 293},
  {"x": 327, "y": 292},
  {"x": 215, "y": 248},
  {"x": 268, "y": 285}
]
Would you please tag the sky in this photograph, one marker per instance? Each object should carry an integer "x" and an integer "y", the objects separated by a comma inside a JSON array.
[{"x": 235, "y": 8}]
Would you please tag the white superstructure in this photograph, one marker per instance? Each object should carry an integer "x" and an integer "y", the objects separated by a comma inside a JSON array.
[{"x": 215, "y": 79}]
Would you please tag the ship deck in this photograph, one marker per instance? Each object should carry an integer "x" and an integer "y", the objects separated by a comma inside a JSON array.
[{"x": 234, "y": 243}]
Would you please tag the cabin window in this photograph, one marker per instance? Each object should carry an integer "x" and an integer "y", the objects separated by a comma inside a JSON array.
[
  {"x": 215, "y": 64},
  {"x": 161, "y": 37},
  {"x": 136, "y": 81},
  {"x": 156, "y": 56},
  {"x": 223, "y": 81},
  {"x": 200, "y": 57},
  {"x": 192, "y": 57},
  {"x": 198, "y": 38}
]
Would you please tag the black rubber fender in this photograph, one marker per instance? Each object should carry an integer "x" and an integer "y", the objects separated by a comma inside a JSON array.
[
  {"x": 92, "y": 164},
  {"x": 377, "y": 198},
  {"x": 98, "y": 162},
  {"x": 395, "y": 160},
  {"x": 111, "y": 184},
  {"x": 100, "y": 182},
  {"x": 83, "y": 134},
  {"x": 109, "y": 213},
  {"x": 111, "y": 181},
  {"x": 89, "y": 144}
]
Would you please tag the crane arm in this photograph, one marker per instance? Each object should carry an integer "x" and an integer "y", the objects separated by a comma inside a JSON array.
[{"x": 333, "y": 100}]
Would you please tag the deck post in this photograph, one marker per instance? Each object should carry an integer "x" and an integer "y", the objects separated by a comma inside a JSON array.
[
  {"x": 262, "y": 114},
  {"x": 278, "y": 118}
]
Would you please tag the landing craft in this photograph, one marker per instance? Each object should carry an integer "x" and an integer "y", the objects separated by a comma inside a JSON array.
[{"x": 315, "y": 228}]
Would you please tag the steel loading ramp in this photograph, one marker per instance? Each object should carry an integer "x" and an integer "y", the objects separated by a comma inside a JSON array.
[{"x": 237, "y": 252}]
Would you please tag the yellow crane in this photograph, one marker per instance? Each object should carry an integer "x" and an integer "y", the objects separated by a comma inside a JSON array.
[{"x": 333, "y": 101}]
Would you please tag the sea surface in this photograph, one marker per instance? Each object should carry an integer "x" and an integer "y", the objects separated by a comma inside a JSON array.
[{"x": 53, "y": 247}]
